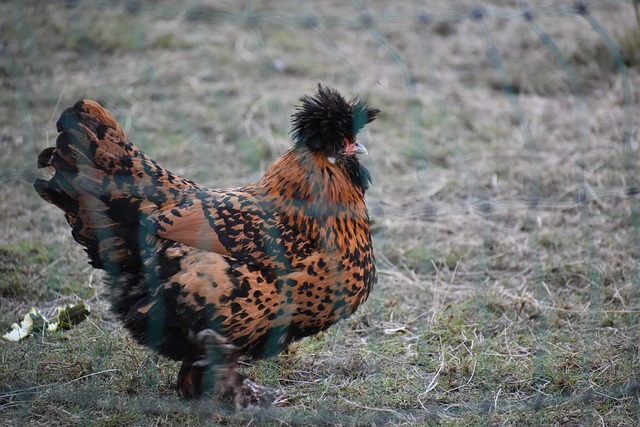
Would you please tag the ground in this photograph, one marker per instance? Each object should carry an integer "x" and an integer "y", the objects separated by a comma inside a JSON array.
[{"x": 504, "y": 204}]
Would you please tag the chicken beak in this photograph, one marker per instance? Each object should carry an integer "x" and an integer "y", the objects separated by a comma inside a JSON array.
[
  {"x": 360, "y": 149},
  {"x": 356, "y": 148}
]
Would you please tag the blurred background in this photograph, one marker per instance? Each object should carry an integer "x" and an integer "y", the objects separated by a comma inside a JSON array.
[{"x": 504, "y": 203}]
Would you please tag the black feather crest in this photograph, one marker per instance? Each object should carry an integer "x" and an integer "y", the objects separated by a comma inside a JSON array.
[{"x": 324, "y": 120}]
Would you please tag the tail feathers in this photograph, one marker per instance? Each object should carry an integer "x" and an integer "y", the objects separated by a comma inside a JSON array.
[
  {"x": 110, "y": 245},
  {"x": 105, "y": 185}
]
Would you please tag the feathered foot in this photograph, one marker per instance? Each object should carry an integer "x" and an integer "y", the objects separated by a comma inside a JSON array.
[{"x": 215, "y": 372}]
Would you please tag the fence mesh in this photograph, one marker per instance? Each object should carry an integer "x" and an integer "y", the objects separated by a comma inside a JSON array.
[{"x": 504, "y": 204}]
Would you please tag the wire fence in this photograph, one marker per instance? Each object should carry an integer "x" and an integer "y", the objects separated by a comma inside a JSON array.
[{"x": 505, "y": 157}]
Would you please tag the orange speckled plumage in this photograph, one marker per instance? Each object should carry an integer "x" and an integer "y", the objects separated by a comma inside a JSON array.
[{"x": 259, "y": 266}]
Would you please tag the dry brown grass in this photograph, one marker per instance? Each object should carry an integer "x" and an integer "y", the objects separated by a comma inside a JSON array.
[{"x": 506, "y": 240}]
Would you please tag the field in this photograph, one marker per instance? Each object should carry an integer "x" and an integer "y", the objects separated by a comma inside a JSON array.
[{"x": 504, "y": 204}]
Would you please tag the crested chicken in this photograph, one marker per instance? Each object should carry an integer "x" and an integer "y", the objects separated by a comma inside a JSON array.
[{"x": 205, "y": 276}]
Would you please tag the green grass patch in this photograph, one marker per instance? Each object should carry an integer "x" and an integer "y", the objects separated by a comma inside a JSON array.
[{"x": 32, "y": 273}]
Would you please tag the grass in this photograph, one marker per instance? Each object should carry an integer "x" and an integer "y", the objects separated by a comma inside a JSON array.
[
  {"x": 21, "y": 266},
  {"x": 508, "y": 290}
]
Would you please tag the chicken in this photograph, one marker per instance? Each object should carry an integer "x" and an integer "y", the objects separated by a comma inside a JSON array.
[{"x": 205, "y": 276}]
